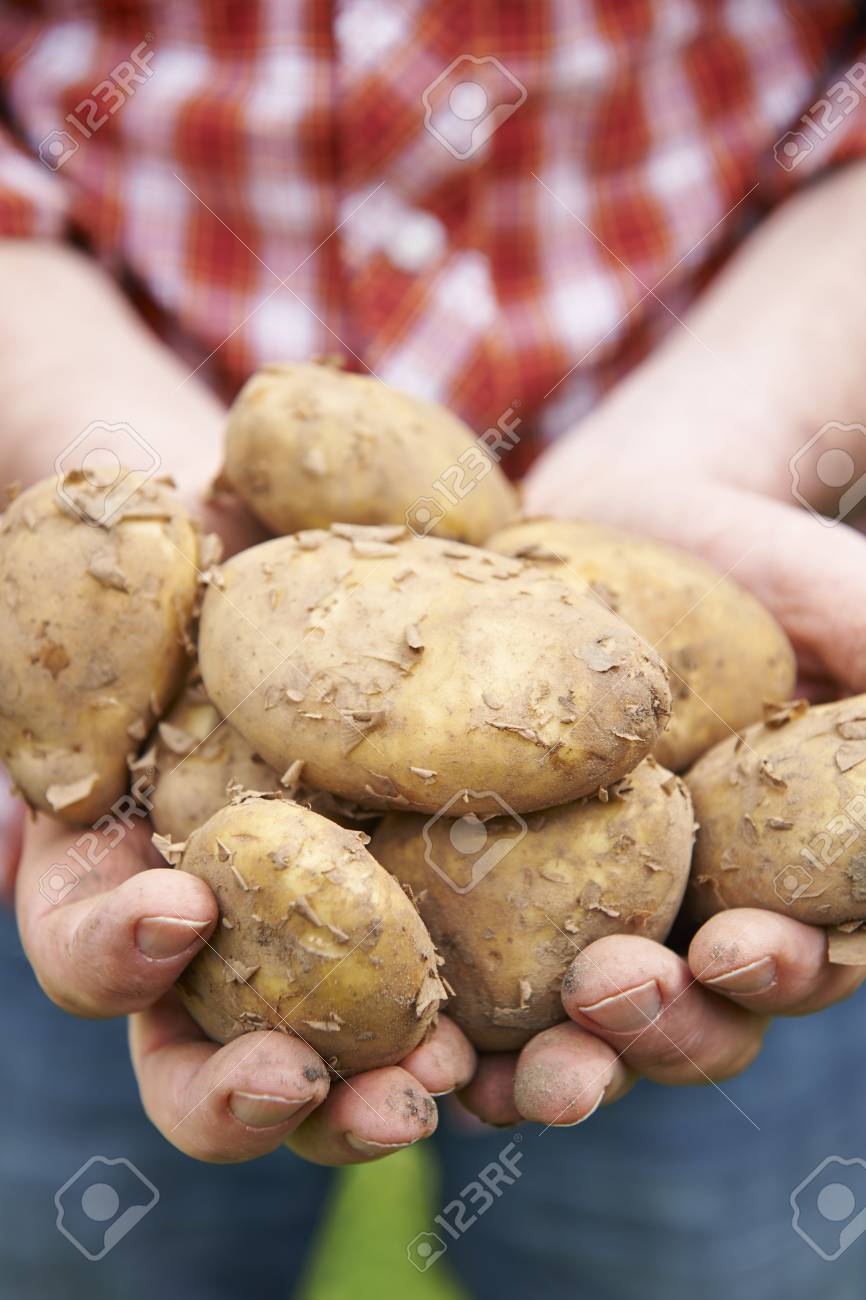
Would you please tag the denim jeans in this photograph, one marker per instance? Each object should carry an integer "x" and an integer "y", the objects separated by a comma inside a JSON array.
[{"x": 672, "y": 1194}]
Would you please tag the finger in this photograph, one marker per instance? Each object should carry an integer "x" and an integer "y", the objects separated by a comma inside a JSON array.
[
  {"x": 809, "y": 575},
  {"x": 12, "y": 815},
  {"x": 781, "y": 552},
  {"x": 367, "y": 1117},
  {"x": 490, "y": 1093},
  {"x": 222, "y": 1104},
  {"x": 643, "y": 1000},
  {"x": 564, "y": 1074},
  {"x": 445, "y": 1061},
  {"x": 88, "y": 862},
  {"x": 769, "y": 963},
  {"x": 115, "y": 950}
]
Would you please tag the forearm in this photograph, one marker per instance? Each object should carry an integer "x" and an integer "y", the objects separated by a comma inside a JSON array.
[
  {"x": 771, "y": 352},
  {"x": 72, "y": 351}
]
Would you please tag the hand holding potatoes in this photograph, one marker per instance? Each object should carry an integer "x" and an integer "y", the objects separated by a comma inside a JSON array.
[
  {"x": 562, "y": 879},
  {"x": 315, "y": 939},
  {"x": 357, "y": 669},
  {"x": 107, "y": 925},
  {"x": 116, "y": 944}
]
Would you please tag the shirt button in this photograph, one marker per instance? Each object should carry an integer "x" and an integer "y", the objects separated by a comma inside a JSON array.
[{"x": 417, "y": 241}]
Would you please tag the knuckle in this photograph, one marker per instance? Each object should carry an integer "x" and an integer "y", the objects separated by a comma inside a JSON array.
[{"x": 673, "y": 1047}]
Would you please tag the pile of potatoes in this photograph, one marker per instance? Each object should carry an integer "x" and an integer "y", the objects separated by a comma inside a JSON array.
[{"x": 416, "y": 764}]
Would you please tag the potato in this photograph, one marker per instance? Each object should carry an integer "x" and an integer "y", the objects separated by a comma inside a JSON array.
[
  {"x": 197, "y": 757},
  {"x": 782, "y": 814},
  {"x": 510, "y": 903},
  {"x": 315, "y": 939},
  {"x": 726, "y": 653},
  {"x": 417, "y": 673},
  {"x": 200, "y": 761},
  {"x": 308, "y": 446},
  {"x": 95, "y": 623}
]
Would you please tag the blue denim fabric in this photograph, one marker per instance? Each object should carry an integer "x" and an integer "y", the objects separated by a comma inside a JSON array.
[
  {"x": 669, "y": 1195},
  {"x": 672, "y": 1194}
]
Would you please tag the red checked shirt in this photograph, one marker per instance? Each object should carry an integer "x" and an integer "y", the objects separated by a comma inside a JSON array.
[{"x": 478, "y": 200}]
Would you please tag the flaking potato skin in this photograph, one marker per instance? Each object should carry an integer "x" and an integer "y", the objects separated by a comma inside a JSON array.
[
  {"x": 308, "y": 445},
  {"x": 571, "y": 875},
  {"x": 197, "y": 757},
  {"x": 314, "y": 938},
  {"x": 198, "y": 763},
  {"x": 417, "y": 673},
  {"x": 782, "y": 815},
  {"x": 726, "y": 653},
  {"x": 95, "y": 624}
]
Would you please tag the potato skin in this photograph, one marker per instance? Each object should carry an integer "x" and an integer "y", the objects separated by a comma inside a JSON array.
[
  {"x": 94, "y": 625},
  {"x": 781, "y": 822},
  {"x": 580, "y": 871},
  {"x": 308, "y": 446},
  {"x": 374, "y": 660},
  {"x": 327, "y": 946},
  {"x": 197, "y": 755},
  {"x": 726, "y": 653}
]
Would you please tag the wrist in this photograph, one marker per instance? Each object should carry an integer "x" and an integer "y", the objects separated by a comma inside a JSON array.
[{"x": 680, "y": 416}]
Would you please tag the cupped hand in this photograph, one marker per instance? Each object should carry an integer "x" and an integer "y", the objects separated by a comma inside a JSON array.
[
  {"x": 634, "y": 1006},
  {"x": 115, "y": 943}
]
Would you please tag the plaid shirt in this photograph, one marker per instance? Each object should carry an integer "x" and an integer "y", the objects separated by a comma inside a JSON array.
[{"x": 481, "y": 201}]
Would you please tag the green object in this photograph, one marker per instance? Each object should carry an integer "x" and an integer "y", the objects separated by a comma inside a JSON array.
[{"x": 360, "y": 1251}]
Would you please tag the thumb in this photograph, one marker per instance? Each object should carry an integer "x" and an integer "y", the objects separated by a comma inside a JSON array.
[{"x": 810, "y": 573}]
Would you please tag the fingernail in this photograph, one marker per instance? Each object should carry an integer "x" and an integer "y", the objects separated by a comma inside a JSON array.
[
  {"x": 263, "y": 1110},
  {"x": 369, "y": 1148},
  {"x": 589, "y": 1114},
  {"x": 167, "y": 936},
  {"x": 629, "y": 1011},
  {"x": 757, "y": 977}
]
